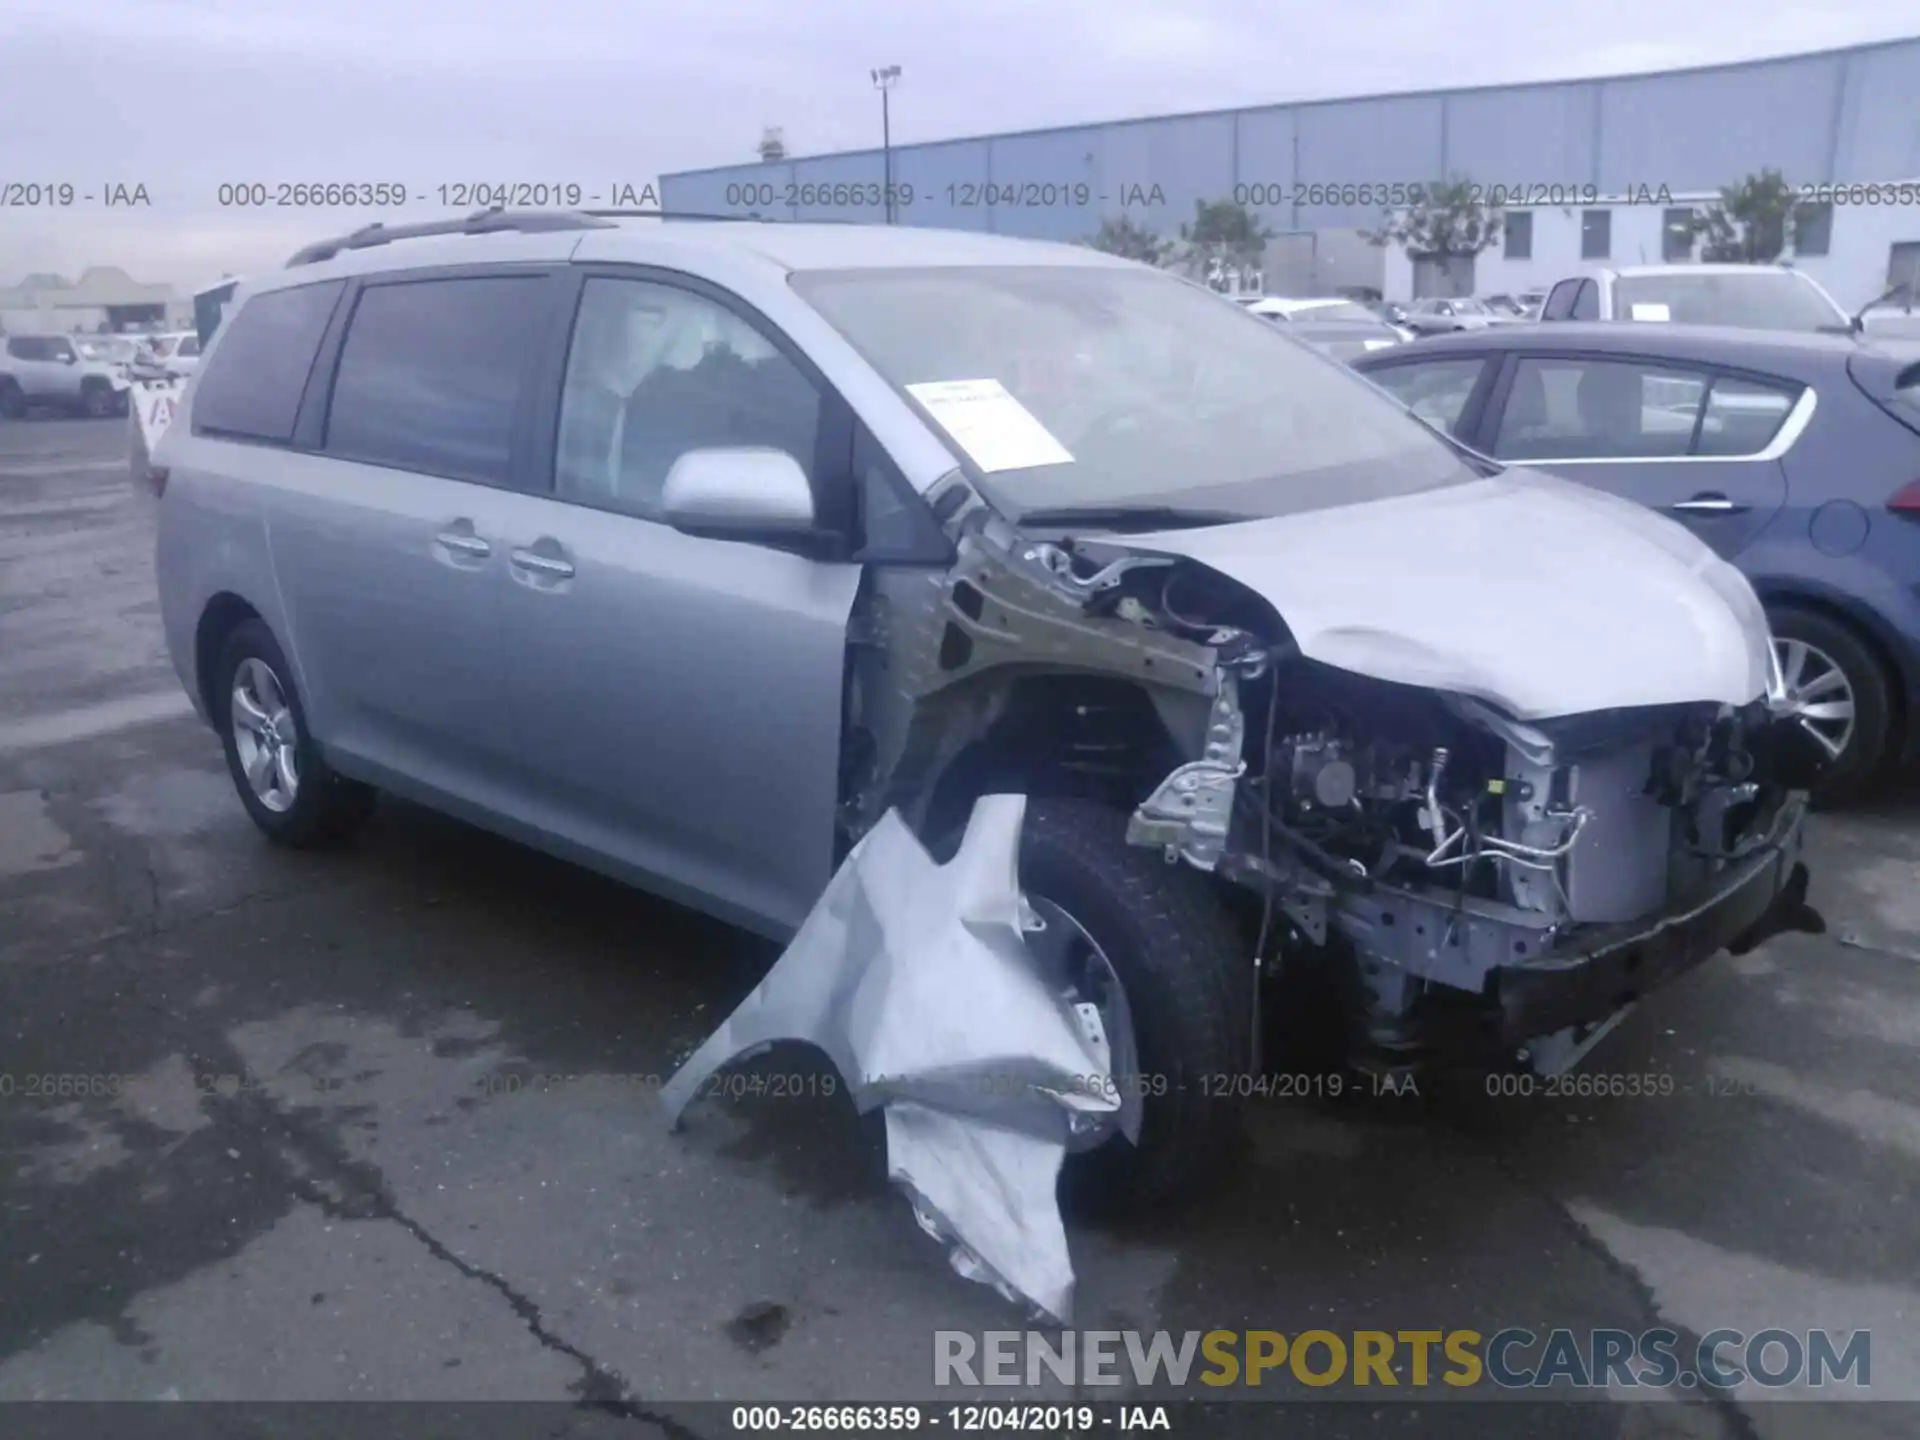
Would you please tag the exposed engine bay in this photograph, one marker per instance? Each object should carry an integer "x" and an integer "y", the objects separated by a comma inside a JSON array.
[{"x": 1468, "y": 880}]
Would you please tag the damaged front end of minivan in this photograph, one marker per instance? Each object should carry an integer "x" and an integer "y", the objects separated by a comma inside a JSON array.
[{"x": 1473, "y": 887}]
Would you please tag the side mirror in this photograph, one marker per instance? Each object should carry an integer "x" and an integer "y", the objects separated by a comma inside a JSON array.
[
  {"x": 738, "y": 494},
  {"x": 69, "y": 358},
  {"x": 1858, "y": 324}
]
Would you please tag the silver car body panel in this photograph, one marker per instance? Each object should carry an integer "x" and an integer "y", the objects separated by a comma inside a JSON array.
[
  {"x": 673, "y": 710},
  {"x": 1503, "y": 608}
]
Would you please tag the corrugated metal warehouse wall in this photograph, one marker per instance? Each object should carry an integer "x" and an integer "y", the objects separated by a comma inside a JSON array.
[{"x": 1839, "y": 115}]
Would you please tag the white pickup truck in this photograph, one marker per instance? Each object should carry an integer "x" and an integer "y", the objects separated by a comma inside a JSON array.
[{"x": 1754, "y": 297}]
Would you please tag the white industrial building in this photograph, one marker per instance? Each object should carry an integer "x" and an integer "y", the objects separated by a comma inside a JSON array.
[{"x": 1310, "y": 170}]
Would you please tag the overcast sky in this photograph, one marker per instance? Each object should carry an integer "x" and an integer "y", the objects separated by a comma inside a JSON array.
[{"x": 181, "y": 95}]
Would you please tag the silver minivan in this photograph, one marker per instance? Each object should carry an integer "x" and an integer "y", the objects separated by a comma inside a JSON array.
[{"x": 689, "y": 551}]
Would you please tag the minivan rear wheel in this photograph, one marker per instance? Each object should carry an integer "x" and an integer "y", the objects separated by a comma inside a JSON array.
[{"x": 288, "y": 789}]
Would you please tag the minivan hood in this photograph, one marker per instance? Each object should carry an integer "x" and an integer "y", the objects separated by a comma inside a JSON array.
[{"x": 1538, "y": 595}]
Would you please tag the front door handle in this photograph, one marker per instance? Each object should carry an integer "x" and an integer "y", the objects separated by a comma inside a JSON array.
[
  {"x": 461, "y": 543},
  {"x": 547, "y": 567},
  {"x": 1709, "y": 504}
]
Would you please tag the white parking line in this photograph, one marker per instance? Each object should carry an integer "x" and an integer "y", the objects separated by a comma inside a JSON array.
[{"x": 61, "y": 727}]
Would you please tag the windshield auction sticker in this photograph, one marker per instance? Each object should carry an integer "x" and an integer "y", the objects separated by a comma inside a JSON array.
[{"x": 996, "y": 430}]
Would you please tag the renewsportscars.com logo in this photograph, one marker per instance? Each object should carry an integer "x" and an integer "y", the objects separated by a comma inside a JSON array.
[{"x": 1510, "y": 1359}]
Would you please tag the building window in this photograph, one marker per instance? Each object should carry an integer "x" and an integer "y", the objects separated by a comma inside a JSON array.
[
  {"x": 1676, "y": 234},
  {"x": 1596, "y": 234},
  {"x": 1812, "y": 229},
  {"x": 1519, "y": 232}
]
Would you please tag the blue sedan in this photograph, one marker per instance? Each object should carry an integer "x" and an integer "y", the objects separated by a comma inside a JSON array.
[{"x": 1795, "y": 456}]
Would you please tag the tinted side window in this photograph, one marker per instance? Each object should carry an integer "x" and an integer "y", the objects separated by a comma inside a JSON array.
[
  {"x": 1598, "y": 410},
  {"x": 655, "y": 371},
  {"x": 252, "y": 386},
  {"x": 1437, "y": 390},
  {"x": 1586, "y": 301},
  {"x": 1743, "y": 417},
  {"x": 430, "y": 375},
  {"x": 1559, "y": 304}
]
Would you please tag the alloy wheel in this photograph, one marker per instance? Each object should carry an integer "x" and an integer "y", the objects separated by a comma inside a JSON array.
[
  {"x": 1079, "y": 970},
  {"x": 1817, "y": 694},
  {"x": 265, "y": 735}
]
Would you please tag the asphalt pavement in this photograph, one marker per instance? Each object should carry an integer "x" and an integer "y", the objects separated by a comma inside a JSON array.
[{"x": 375, "y": 1124}]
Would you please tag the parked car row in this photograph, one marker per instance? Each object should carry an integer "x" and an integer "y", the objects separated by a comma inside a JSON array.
[
  {"x": 1795, "y": 456},
  {"x": 87, "y": 374}
]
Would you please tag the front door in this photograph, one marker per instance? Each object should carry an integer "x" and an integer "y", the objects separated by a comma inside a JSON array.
[
  {"x": 681, "y": 697},
  {"x": 1701, "y": 447}
]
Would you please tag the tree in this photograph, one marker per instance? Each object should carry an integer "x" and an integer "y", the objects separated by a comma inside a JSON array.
[
  {"x": 1120, "y": 236},
  {"x": 773, "y": 144},
  {"x": 1448, "y": 220},
  {"x": 1224, "y": 236},
  {"x": 1749, "y": 223}
]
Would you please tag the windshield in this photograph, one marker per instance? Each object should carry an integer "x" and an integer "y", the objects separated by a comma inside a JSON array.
[
  {"x": 1094, "y": 386},
  {"x": 103, "y": 349},
  {"x": 1337, "y": 310},
  {"x": 1759, "y": 300}
]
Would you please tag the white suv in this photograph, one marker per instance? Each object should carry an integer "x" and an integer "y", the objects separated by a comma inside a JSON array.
[{"x": 66, "y": 372}]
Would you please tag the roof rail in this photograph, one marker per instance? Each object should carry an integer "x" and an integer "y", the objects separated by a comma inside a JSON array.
[{"x": 480, "y": 222}]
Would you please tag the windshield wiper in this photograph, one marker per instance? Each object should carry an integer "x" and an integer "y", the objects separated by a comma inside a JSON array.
[{"x": 1130, "y": 517}]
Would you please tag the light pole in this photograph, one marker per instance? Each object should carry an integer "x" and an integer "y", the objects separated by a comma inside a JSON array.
[{"x": 883, "y": 81}]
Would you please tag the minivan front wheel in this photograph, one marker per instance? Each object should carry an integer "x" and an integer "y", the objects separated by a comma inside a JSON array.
[
  {"x": 1152, "y": 947},
  {"x": 288, "y": 789}
]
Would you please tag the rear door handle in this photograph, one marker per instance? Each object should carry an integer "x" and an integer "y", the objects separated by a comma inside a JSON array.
[
  {"x": 1709, "y": 505},
  {"x": 547, "y": 567},
  {"x": 463, "y": 543}
]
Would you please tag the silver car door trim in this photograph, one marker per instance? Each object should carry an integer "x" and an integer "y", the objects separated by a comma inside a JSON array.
[
  {"x": 1791, "y": 429},
  {"x": 463, "y": 544},
  {"x": 1709, "y": 505},
  {"x": 543, "y": 564}
]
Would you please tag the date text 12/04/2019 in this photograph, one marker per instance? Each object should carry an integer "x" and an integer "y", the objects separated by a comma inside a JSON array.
[
  {"x": 1029, "y": 194},
  {"x": 991, "y": 1419},
  {"x": 1366, "y": 194},
  {"x": 457, "y": 195}
]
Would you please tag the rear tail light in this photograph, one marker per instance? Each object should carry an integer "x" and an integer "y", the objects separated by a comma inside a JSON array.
[
  {"x": 1907, "y": 500},
  {"x": 157, "y": 479}
]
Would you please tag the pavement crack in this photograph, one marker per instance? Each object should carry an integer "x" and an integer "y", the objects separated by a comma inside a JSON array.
[{"x": 318, "y": 1170}]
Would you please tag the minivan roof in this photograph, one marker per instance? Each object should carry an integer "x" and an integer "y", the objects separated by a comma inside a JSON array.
[{"x": 788, "y": 247}]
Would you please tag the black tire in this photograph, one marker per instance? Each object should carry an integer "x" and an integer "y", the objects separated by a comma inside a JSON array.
[
  {"x": 1867, "y": 751},
  {"x": 97, "y": 401},
  {"x": 1180, "y": 960},
  {"x": 327, "y": 807},
  {"x": 13, "y": 404}
]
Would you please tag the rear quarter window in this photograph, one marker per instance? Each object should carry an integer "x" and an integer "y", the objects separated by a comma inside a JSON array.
[{"x": 251, "y": 385}]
